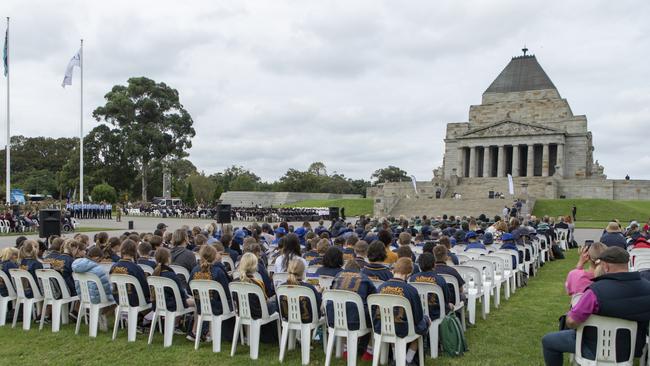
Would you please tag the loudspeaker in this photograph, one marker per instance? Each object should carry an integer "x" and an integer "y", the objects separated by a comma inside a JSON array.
[
  {"x": 49, "y": 223},
  {"x": 223, "y": 214},
  {"x": 334, "y": 213}
]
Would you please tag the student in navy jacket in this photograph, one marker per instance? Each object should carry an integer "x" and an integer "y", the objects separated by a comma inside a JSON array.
[
  {"x": 256, "y": 249},
  {"x": 321, "y": 248},
  {"x": 29, "y": 262},
  {"x": 127, "y": 265},
  {"x": 296, "y": 272},
  {"x": 8, "y": 260},
  {"x": 376, "y": 270},
  {"x": 428, "y": 275},
  {"x": 398, "y": 286},
  {"x": 62, "y": 262},
  {"x": 163, "y": 258},
  {"x": 332, "y": 262},
  {"x": 144, "y": 252}
]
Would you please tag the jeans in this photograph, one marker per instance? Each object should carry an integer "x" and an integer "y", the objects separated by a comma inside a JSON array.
[{"x": 556, "y": 343}]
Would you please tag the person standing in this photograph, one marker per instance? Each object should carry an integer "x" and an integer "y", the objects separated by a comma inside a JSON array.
[{"x": 574, "y": 211}]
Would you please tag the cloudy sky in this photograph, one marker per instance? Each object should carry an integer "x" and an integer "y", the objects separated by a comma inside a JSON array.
[{"x": 359, "y": 85}]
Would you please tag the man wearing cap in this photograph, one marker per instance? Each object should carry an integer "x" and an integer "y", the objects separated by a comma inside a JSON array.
[
  {"x": 616, "y": 293},
  {"x": 613, "y": 236},
  {"x": 279, "y": 234},
  {"x": 473, "y": 242}
]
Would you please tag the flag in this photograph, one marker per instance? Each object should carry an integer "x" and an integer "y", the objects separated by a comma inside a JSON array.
[
  {"x": 74, "y": 61},
  {"x": 415, "y": 186},
  {"x": 5, "y": 52},
  {"x": 511, "y": 185}
]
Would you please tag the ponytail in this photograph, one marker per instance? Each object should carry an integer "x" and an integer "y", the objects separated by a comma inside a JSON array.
[
  {"x": 296, "y": 270},
  {"x": 208, "y": 255},
  {"x": 247, "y": 266},
  {"x": 162, "y": 258}
]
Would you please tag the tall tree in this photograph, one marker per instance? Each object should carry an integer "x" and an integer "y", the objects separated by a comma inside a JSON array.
[
  {"x": 151, "y": 119},
  {"x": 389, "y": 174},
  {"x": 317, "y": 168}
]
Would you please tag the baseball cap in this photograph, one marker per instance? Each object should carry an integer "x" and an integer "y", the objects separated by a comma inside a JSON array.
[
  {"x": 615, "y": 255},
  {"x": 280, "y": 230},
  {"x": 507, "y": 236},
  {"x": 470, "y": 235}
]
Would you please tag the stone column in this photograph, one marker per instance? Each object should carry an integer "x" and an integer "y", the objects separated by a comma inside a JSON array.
[
  {"x": 560, "y": 159},
  {"x": 486, "y": 161},
  {"x": 515, "y": 160},
  {"x": 472, "y": 162},
  {"x": 501, "y": 162},
  {"x": 530, "y": 164},
  {"x": 545, "y": 161},
  {"x": 460, "y": 171}
]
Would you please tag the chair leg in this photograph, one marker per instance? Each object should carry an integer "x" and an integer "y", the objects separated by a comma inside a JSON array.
[
  {"x": 199, "y": 329},
  {"x": 153, "y": 327},
  {"x": 254, "y": 339},
  {"x": 339, "y": 347},
  {"x": 353, "y": 338},
  {"x": 117, "y": 322},
  {"x": 471, "y": 308},
  {"x": 3, "y": 311},
  {"x": 433, "y": 340},
  {"x": 235, "y": 336},
  {"x": 168, "y": 336},
  {"x": 13, "y": 324},
  {"x": 376, "y": 350},
  {"x": 421, "y": 350},
  {"x": 283, "y": 340},
  {"x": 65, "y": 312},
  {"x": 94, "y": 320},
  {"x": 28, "y": 307},
  {"x": 215, "y": 331},
  {"x": 56, "y": 316},
  {"x": 292, "y": 340},
  {"x": 40, "y": 327},
  {"x": 82, "y": 310},
  {"x": 132, "y": 324},
  {"x": 305, "y": 343},
  {"x": 400, "y": 352},
  {"x": 330, "y": 346}
]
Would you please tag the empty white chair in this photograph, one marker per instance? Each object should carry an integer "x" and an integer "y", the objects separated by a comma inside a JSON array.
[
  {"x": 339, "y": 299},
  {"x": 325, "y": 282},
  {"x": 21, "y": 278},
  {"x": 123, "y": 282},
  {"x": 424, "y": 290},
  {"x": 6, "y": 300},
  {"x": 181, "y": 271},
  {"x": 159, "y": 285},
  {"x": 85, "y": 301},
  {"x": 459, "y": 305},
  {"x": 292, "y": 320},
  {"x": 385, "y": 307},
  {"x": 147, "y": 269},
  {"x": 204, "y": 289},
  {"x": 244, "y": 317},
  {"x": 490, "y": 286},
  {"x": 606, "y": 330},
  {"x": 474, "y": 289},
  {"x": 60, "y": 307},
  {"x": 501, "y": 273},
  {"x": 562, "y": 238}
]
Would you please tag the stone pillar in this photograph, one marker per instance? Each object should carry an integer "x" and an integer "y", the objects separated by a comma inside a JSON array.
[
  {"x": 560, "y": 159},
  {"x": 515, "y": 160},
  {"x": 545, "y": 161},
  {"x": 530, "y": 164},
  {"x": 486, "y": 161},
  {"x": 460, "y": 171},
  {"x": 472, "y": 162},
  {"x": 501, "y": 162}
]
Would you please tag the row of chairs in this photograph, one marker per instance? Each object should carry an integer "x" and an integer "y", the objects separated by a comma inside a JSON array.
[{"x": 20, "y": 227}]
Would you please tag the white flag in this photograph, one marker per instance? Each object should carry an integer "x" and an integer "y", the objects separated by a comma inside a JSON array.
[
  {"x": 74, "y": 61},
  {"x": 511, "y": 185},
  {"x": 415, "y": 186}
]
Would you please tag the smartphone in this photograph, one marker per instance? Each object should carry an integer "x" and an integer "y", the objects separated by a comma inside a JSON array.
[{"x": 588, "y": 243}]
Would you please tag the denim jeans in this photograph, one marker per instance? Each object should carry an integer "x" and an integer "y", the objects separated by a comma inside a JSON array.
[{"x": 556, "y": 343}]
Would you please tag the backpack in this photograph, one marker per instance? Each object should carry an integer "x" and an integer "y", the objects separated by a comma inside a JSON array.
[{"x": 452, "y": 336}]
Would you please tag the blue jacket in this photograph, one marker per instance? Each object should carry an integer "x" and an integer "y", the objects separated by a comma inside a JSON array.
[
  {"x": 217, "y": 273},
  {"x": 30, "y": 265},
  {"x": 305, "y": 305},
  {"x": 377, "y": 271},
  {"x": 85, "y": 265},
  {"x": 614, "y": 240},
  {"x": 5, "y": 266},
  {"x": 328, "y": 271},
  {"x": 399, "y": 287},
  {"x": 433, "y": 277},
  {"x": 63, "y": 264},
  {"x": 127, "y": 267},
  {"x": 355, "y": 282}
]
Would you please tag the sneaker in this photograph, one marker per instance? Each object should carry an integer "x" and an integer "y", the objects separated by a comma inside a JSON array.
[
  {"x": 179, "y": 331},
  {"x": 207, "y": 339},
  {"x": 190, "y": 336},
  {"x": 367, "y": 356}
]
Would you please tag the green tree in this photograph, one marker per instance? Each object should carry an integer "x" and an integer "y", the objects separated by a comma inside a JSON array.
[
  {"x": 389, "y": 174},
  {"x": 189, "y": 195},
  {"x": 243, "y": 183},
  {"x": 104, "y": 192},
  {"x": 203, "y": 187},
  {"x": 228, "y": 176},
  {"x": 150, "y": 119},
  {"x": 317, "y": 168},
  {"x": 216, "y": 194}
]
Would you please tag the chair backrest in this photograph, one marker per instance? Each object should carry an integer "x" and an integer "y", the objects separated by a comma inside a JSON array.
[
  {"x": 11, "y": 292},
  {"x": 106, "y": 267},
  {"x": 280, "y": 278},
  {"x": 181, "y": 271},
  {"x": 486, "y": 268},
  {"x": 159, "y": 284},
  {"x": 325, "y": 282},
  {"x": 471, "y": 275},
  {"x": 606, "y": 330},
  {"x": 424, "y": 290},
  {"x": 227, "y": 260},
  {"x": 478, "y": 251},
  {"x": 453, "y": 281},
  {"x": 313, "y": 268},
  {"x": 471, "y": 255},
  {"x": 498, "y": 263},
  {"x": 458, "y": 248},
  {"x": 203, "y": 289},
  {"x": 48, "y": 277},
  {"x": 122, "y": 281},
  {"x": 20, "y": 275},
  {"x": 562, "y": 234},
  {"x": 146, "y": 268},
  {"x": 339, "y": 300},
  {"x": 642, "y": 264},
  {"x": 377, "y": 283},
  {"x": 84, "y": 279},
  {"x": 639, "y": 254},
  {"x": 513, "y": 256},
  {"x": 462, "y": 258},
  {"x": 385, "y": 305},
  {"x": 575, "y": 298},
  {"x": 240, "y": 291},
  {"x": 293, "y": 294}
]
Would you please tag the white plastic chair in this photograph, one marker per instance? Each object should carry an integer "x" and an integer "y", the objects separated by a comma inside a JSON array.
[
  {"x": 293, "y": 322},
  {"x": 377, "y": 283},
  {"x": 313, "y": 268},
  {"x": 18, "y": 276},
  {"x": 279, "y": 278},
  {"x": 501, "y": 272},
  {"x": 181, "y": 271},
  {"x": 60, "y": 307},
  {"x": 325, "y": 282},
  {"x": 85, "y": 303},
  {"x": 509, "y": 256},
  {"x": 146, "y": 268},
  {"x": 244, "y": 316},
  {"x": 5, "y": 300},
  {"x": 203, "y": 288},
  {"x": 474, "y": 289},
  {"x": 385, "y": 306},
  {"x": 642, "y": 264},
  {"x": 491, "y": 286},
  {"x": 122, "y": 282},
  {"x": 478, "y": 251},
  {"x": 339, "y": 299},
  {"x": 459, "y": 305},
  {"x": 562, "y": 238},
  {"x": 424, "y": 289},
  {"x": 159, "y": 285},
  {"x": 228, "y": 260},
  {"x": 462, "y": 258},
  {"x": 106, "y": 267},
  {"x": 606, "y": 328}
]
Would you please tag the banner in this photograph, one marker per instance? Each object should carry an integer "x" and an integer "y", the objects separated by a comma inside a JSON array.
[
  {"x": 415, "y": 186},
  {"x": 511, "y": 185}
]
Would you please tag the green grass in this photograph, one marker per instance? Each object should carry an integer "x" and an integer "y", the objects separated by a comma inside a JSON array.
[
  {"x": 598, "y": 211},
  {"x": 511, "y": 335},
  {"x": 353, "y": 207}
]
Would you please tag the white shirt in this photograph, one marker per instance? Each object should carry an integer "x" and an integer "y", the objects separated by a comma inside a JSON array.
[{"x": 280, "y": 259}]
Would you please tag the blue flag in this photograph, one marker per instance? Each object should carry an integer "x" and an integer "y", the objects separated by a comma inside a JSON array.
[{"x": 5, "y": 52}]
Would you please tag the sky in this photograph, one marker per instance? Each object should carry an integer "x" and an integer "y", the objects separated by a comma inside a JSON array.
[{"x": 358, "y": 85}]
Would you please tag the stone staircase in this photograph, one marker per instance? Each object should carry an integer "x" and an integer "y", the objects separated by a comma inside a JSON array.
[{"x": 411, "y": 207}]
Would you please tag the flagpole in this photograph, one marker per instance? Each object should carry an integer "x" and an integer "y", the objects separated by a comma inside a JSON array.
[
  {"x": 8, "y": 147},
  {"x": 81, "y": 126}
]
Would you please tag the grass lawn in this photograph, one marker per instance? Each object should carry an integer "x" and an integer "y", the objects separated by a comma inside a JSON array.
[
  {"x": 595, "y": 213},
  {"x": 511, "y": 335},
  {"x": 353, "y": 207}
]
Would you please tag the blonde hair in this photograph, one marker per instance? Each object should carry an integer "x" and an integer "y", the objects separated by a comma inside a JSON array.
[
  {"x": 247, "y": 266},
  {"x": 72, "y": 244},
  {"x": 296, "y": 270},
  {"x": 29, "y": 250},
  {"x": 8, "y": 254}
]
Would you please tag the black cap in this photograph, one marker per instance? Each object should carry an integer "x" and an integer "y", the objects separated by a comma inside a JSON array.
[
  {"x": 615, "y": 255},
  {"x": 161, "y": 226}
]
